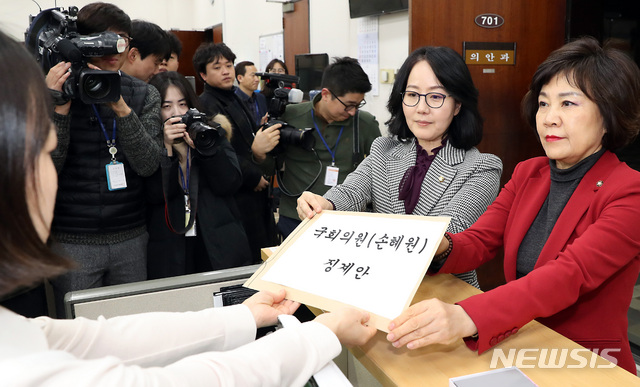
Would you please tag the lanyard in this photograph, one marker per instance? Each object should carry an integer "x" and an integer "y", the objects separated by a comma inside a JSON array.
[
  {"x": 185, "y": 182},
  {"x": 111, "y": 142},
  {"x": 331, "y": 152}
]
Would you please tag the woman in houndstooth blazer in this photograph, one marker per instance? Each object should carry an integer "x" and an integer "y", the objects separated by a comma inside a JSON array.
[{"x": 430, "y": 166}]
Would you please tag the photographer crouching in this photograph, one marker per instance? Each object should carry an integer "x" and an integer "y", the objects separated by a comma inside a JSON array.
[
  {"x": 194, "y": 222},
  {"x": 105, "y": 148}
]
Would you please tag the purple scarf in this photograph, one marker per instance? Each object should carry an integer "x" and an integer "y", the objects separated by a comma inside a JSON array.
[{"x": 411, "y": 183}]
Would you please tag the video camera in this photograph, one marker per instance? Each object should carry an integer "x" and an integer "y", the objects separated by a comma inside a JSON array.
[
  {"x": 52, "y": 37},
  {"x": 204, "y": 136},
  {"x": 284, "y": 94}
]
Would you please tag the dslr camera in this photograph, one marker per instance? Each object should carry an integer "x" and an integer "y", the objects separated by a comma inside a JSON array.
[
  {"x": 282, "y": 96},
  {"x": 52, "y": 37},
  {"x": 203, "y": 133}
]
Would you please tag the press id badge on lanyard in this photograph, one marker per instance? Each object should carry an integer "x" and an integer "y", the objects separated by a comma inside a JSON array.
[
  {"x": 116, "y": 178},
  {"x": 332, "y": 171}
]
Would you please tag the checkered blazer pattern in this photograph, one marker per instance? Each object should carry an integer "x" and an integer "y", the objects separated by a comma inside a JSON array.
[{"x": 460, "y": 184}]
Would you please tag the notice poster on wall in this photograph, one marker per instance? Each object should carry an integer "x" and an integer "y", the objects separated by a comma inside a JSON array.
[
  {"x": 368, "y": 50},
  {"x": 373, "y": 262},
  {"x": 271, "y": 47}
]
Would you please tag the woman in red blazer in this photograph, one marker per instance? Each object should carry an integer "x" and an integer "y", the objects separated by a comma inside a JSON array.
[{"x": 569, "y": 222}]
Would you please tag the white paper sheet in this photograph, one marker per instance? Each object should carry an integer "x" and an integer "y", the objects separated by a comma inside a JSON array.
[{"x": 373, "y": 263}]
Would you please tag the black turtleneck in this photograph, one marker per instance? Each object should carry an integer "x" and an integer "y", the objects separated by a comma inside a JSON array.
[{"x": 563, "y": 183}]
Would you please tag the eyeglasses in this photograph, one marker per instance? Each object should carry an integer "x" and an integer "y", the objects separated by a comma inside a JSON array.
[
  {"x": 348, "y": 108},
  {"x": 433, "y": 100},
  {"x": 279, "y": 70}
]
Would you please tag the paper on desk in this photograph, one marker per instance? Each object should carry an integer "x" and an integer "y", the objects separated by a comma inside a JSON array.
[{"x": 374, "y": 262}]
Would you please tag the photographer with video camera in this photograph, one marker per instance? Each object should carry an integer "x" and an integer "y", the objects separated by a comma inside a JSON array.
[
  {"x": 104, "y": 150},
  {"x": 214, "y": 64},
  {"x": 341, "y": 132},
  {"x": 193, "y": 190}
]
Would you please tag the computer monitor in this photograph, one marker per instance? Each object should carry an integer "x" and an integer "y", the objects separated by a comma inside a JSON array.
[
  {"x": 309, "y": 67},
  {"x": 175, "y": 294},
  {"x": 360, "y": 8}
]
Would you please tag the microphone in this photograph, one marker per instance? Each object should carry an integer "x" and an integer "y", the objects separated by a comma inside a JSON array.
[
  {"x": 295, "y": 95},
  {"x": 69, "y": 51}
]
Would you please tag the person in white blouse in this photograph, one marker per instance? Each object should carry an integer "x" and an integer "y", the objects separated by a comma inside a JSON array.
[{"x": 213, "y": 347}]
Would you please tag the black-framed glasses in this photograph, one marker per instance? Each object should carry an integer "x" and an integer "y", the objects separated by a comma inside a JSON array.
[
  {"x": 433, "y": 100},
  {"x": 348, "y": 108}
]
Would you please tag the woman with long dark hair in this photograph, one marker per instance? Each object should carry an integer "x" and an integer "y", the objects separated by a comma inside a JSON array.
[{"x": 215, "y": 238}]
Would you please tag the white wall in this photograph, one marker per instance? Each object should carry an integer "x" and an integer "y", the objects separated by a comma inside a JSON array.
[{"x": 243, "y": 22}]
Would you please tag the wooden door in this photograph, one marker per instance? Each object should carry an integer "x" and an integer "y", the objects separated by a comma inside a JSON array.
[
  {"x": 537, "y": 28},
  {"x": 190, "y": 40},
  {"x": 296, "y": 33}
]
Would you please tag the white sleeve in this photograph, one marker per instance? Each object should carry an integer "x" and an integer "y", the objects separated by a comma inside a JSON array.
[
  {"x": 287, "y": 357},
  {"x": 157, "y": 339}
]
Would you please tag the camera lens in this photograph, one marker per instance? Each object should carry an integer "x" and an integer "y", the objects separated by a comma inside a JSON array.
[
  {"x": 204, "y": 136},
  {"x": 96, "y": 87},
  {"x": 299, "y": 137}
]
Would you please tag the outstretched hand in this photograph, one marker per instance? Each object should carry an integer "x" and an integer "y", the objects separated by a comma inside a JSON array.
[
  {"x": 349, "y": 324},
  {"x": 266, "y": 306},
  {"x": 430, "y": 322}
]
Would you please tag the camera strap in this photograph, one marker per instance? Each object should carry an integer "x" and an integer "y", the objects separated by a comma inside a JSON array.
[
  {"x": 177, "y": 208},
  {"x": 356, "y": 156}
]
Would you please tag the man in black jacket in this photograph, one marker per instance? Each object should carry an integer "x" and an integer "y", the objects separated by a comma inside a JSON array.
[
  {"x": 104, "y": 151},
  {"x": 214, "y": 64}
]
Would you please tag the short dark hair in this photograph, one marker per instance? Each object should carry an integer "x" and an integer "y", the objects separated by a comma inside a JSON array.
[
  {"x": 211, "y": 52},
  {"x": 175, "y": 45},
  {"x": 25, "y": 113},
  {"x": 465, "y": 130},
  {"x": 241, "y": 68},
  {"x": 344, "y": 76},
  {"x": 163, "y": 80},
  {"x": 99, "y": 17},
  {"x": 149, "y": 39},
  {"x": 272, "y": 64},
  {"x": 607, "y": 76}
]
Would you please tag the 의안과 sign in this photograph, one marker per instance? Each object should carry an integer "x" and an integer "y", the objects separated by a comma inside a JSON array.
[{"x": 489, "y": 53}]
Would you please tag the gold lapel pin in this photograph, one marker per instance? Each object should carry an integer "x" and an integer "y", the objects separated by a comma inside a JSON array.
[
  {"x": 599, "y": 183},
  {"x": 441, "y": 179}
]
